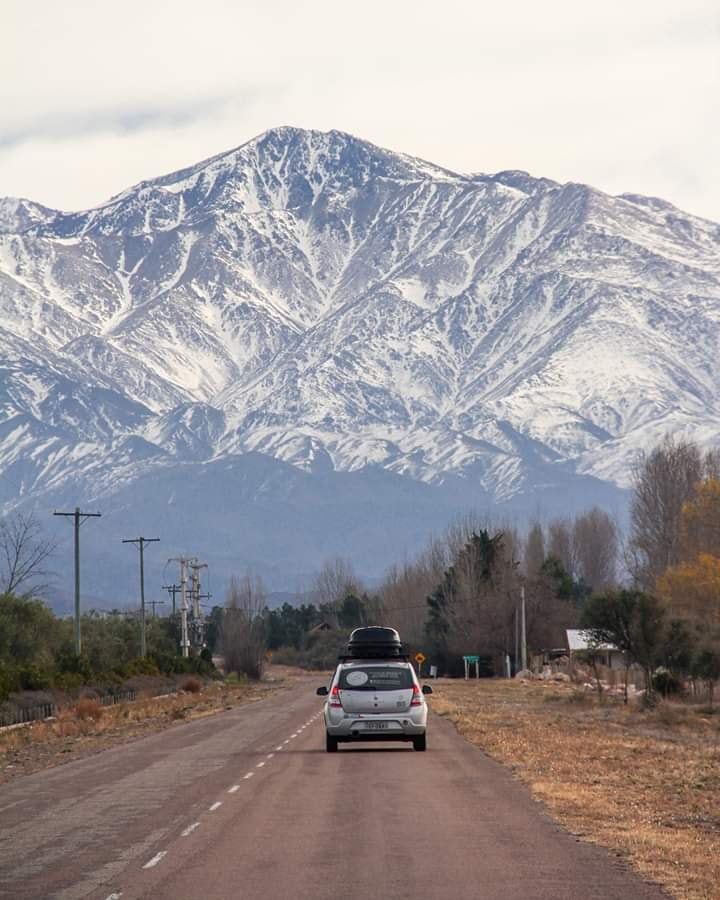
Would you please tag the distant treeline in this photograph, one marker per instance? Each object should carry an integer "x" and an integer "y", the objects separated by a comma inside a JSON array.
[{"x": 654, "y": 592}]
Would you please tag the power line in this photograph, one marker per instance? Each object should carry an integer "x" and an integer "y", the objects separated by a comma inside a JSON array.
[
  {"x": 141, "y": 541},
  {"x": 172, "y": 589},
  {"x": 79, "y": 518},
  {"x": 155, "y": 603}
]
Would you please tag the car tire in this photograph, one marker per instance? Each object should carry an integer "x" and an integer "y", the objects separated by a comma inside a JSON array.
[
  {"x": 420, "y": 742},
  {"x": 331, "y": 743}
]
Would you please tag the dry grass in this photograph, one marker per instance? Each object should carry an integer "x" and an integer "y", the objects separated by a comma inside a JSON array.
[
  {"x": 191, "y": 684},
  {"x": 645, "y": 784},
  {"x": 87, "y": 727},
  {"x": 89, "y": 708}
]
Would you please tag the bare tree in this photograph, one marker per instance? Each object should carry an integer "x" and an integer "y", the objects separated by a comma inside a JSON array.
[
  {"x": 483, "y": 593},
  {"x": 334, "y": 581},
  {"x": 595, "y": 549},
  {"x": 402, "y": 595},
  {"x": 23, "y": 555},
  {"x": 560, "y": 544},
  {"x": 534, "y": 556},
  {"x": 665, "y": 479},
  {"x": 244, "y": 630}
]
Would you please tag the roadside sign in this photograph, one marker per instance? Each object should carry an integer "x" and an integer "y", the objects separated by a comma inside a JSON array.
[
  {"x": 471, "y": 660},
  {"x": 420, "y": 658},
  {"x": 433, "y": 671}
]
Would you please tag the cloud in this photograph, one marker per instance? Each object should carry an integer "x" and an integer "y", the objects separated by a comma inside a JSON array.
[{"x": 81, "y": 123}]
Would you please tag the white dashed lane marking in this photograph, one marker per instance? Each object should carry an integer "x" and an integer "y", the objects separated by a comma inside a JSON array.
[{"x": 151, "y": 863}]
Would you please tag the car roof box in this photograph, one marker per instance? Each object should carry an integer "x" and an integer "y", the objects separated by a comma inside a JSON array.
[{"x": 374, "y": 642}]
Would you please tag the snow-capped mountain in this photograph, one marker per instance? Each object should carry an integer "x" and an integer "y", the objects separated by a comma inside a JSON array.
[{"x": 311, "y": 299}]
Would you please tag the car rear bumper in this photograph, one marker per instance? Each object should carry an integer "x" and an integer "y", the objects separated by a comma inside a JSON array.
[
  {"x": 399, "y": 728},
  {"x": 375, "y": 737}
]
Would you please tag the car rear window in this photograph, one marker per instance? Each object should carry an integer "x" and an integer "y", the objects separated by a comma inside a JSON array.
[{"x": 376, "y": 678}]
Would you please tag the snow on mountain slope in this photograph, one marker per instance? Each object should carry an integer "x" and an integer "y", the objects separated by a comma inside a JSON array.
[{"x": 314, "y": 298}]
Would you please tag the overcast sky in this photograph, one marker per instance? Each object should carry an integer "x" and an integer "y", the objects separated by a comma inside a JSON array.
[{"x": 621, "y": 94}]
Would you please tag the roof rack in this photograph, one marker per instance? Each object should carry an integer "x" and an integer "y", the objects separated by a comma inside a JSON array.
[
  {"x": 374, "y": 642},
  {"x": 400, "y": 657}
]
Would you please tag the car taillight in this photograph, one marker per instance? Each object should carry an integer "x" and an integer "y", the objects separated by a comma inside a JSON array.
[
  {"x": 335, "y": 698},
  {"x": 417, "y": 697}
]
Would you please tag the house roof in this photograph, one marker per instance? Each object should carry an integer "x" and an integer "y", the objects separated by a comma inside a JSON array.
[{"x": 577, "y": 639}]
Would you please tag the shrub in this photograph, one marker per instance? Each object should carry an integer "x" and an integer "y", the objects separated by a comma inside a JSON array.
[
  {"x": 288, "y": 656},
  {"x": 706, "y": 666},
  {"x": 207, "y": 668},
  {"x": 70, "y": 663},
  {"x": 191, "y": 684},
  {"x": 167, "y": 663},
  {"x": 68, "y": 681},
  {"x": 33, "y": 678},
  {"x": 141, "y": 666},
  {"x": 89, "y": 708},
  {"x": 9, "y": 681},
  {"x": 666, "y": 683},
  {"x": 89, "y": 694},
  {"x": 185, "y": 665}
]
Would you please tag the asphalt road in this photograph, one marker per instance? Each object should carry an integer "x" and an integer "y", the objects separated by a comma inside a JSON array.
[{"x": 247, "y": 804}]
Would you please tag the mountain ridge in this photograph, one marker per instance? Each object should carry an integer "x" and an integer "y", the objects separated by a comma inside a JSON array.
[{"x": 319, "y": 300}]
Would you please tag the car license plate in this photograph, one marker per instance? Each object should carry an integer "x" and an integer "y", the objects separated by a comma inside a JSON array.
[{"x": 376, "y": 726}]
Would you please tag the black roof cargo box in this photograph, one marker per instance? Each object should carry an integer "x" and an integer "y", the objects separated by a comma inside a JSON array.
[{"x": 374, "y": 642}]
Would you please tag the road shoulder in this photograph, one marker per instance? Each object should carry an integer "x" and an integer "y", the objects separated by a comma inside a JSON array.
[{"x": 644, "y": 789}]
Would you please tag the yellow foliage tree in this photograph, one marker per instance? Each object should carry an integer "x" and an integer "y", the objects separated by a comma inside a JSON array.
[
  {"x": 692, "y": 590},
  {"x": 700, "y": 521}
]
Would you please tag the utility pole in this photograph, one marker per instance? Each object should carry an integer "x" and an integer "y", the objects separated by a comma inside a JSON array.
[
  {"x": 195, "y": 578},
  {"x": 184, "y": 641},
  {"x": 198, "y": 623},
  {"x": 172, "y": 589},
  {"x": 523, "y": 630},
  {"x": 79, "y": 518},
  {"x": 141, "y": 541},
  {"x": 155, "y": 603}
]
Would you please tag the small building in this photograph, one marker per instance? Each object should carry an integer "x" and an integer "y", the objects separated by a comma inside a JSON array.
[
  {"x": 320, "y": 627},
  {"x": 581, "y": 643}
]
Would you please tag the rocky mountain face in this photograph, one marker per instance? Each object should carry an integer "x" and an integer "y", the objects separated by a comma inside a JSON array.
[{"x": 310, "y": 345}]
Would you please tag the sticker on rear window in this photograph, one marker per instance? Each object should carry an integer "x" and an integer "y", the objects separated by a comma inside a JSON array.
[{"x": 356, "y": 678}]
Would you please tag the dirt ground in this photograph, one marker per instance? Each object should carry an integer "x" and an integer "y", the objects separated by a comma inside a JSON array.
[
  {"x": 644, "y": 784},
  {"x": 77, "y": 732}
]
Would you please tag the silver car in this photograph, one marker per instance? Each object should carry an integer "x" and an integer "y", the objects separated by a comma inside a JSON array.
[{"x": 372, "y": 700}]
